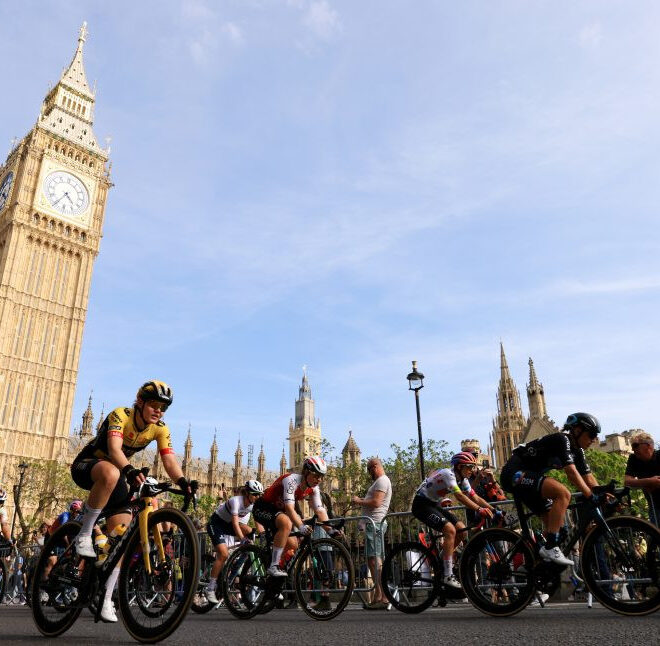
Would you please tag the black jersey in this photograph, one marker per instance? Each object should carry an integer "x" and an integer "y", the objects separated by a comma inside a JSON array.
[{"x": 554, "y": 451}]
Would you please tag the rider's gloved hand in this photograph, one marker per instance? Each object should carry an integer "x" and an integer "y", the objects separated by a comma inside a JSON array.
[
  {"x": 485, "y": 512},
  {"x": 133, "y": 476},
  {"x": 183, "y": 484},
  {"x": 333, "y": 531},
  {"x": 594, "y": 500},
  {"x": 305, "y": 530}
]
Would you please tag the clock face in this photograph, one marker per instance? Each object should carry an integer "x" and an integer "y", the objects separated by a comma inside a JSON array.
[
  {"x": 66, "y": 193},
  {"x": 5, "y": 187}
]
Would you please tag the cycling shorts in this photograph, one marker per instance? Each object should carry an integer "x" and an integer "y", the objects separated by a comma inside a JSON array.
[
  {"x": 220, "y": 531},
  {"x": 431, "y": 513},
  {"x": 81, "y": 472},
  {"x": 525, "y": 486},
  {"x": 265, "y": 514}
]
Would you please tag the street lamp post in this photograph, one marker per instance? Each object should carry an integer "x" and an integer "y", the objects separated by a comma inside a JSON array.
[
  {"x": 22, "y": 467},
  {"x": 416, "y": 383}
]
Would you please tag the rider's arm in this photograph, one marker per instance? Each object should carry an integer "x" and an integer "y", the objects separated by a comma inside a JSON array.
[
  {"x": 470, "y": 501},
  {"x": 578, "y": 481},
  {"x": 236, "y": 526},
  {"x": 483, "y": 503},
  {"x": 171, "y": 465},
  {"x": 115, "y": 453},
  {"x": 6, "y": 532},
  {"x": 290, "y": 511}
]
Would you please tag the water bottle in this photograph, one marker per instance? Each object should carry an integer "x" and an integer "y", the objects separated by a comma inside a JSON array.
[
  {"x": 102, "y": 548},
  {"x": 118, "y": 531}
]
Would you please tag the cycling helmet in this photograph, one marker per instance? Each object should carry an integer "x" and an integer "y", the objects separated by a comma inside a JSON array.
[
  {"x": 155, "y": 390},
  {"x": 316, "y": 465},
  {"x": 76, "y": 505},
  {"x": 583, "y": 422},
  {"x": 3, "y": 495},
  {"x": 464, "y": 457},
  {"x": 254, "y": 487}
]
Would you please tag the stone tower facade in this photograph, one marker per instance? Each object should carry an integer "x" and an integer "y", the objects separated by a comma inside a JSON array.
[
  {"x": 53, "y": 190},
  {"x": 509, "y": 425},
  {"x": 351, "y": 453},
  {"x": 237, "y": 474},
  {"x": 305, "y": 430}
]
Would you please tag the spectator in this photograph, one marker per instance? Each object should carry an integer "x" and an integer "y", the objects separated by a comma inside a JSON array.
[
  {"x": 375, "y": 505},
  {"x": 643, "y": 471}
]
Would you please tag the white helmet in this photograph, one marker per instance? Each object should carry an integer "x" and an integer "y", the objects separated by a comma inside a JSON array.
[
  {"x": 254, "y": 487},
  {"x": 3, "y": 495},
  {"x": 316, "y": 464}
]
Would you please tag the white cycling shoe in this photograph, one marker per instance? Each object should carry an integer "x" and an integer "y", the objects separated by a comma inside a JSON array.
[
  {"x": 210, "y": 595},
  {"x": 555, "y": 555},
  {"x": 451, "y": 582},
  {"x": 274, "y": 570},
  {"x": 108, "y": 613},
  {"x": 85, "y": 546}
]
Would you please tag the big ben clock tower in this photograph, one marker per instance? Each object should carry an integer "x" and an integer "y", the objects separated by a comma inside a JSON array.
[{"x": 53, "y": 190}]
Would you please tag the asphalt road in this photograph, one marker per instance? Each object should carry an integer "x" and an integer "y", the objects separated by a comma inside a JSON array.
[{"x": 560, "y": 623}]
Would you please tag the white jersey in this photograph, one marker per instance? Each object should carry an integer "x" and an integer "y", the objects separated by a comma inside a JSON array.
[
  {"x": 442, "y": 482},
  {"x": 235, "y": 506},
  {"x": 4, "y": 519}
]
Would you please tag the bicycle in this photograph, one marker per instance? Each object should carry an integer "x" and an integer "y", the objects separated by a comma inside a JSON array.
[
  {"x": 501, "y": 570},
  {"x": 411, "y": 573},
  {"x": 320, "y": 572},
  {"x": 157, "y": 578},
  {"x": 5, "y": 552},
  {"x": 200, "y": 603}
]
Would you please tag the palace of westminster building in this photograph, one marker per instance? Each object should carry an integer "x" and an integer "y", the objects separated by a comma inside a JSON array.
[{"x": 53, "y": 190}]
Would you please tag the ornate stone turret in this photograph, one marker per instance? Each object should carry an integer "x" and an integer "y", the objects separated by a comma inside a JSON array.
[
  {"x": 351, "y": 453},
  {"x": 101, "y": 419},
  {"x": 283, "y": 469},
  {"x": 305, "y": 436},
  {"x": 535, "y": 395},
  {"x": 237, "y": 476},
  {"x": 508, "y": 428},
  {"x": 261, "y": 464},
  {"x": 186, "y": 463},
  {"x": 213, "y": 465},
  {"x": 86, "y": 431}
]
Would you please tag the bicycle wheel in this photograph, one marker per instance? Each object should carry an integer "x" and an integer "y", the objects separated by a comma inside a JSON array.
[
  {"x": 622, "y": 569},
  {"x": 410, "y": 576},
  {"x": 324, "y": 578},
  {"x": 55, "y": 596},
  {"x": 497, "y": 572},
  {"x": 244, "y": 581},
  {"x": 153, "y": 604}
]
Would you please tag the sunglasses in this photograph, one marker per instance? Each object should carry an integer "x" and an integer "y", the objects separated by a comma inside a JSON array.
[{"x": 155, "y": 405}]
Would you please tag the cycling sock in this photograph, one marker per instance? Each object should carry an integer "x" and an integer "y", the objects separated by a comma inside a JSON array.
[
  {"x": 88, "y": 520},
  {"x": 211, "y": 586},
  {"x": 448, "y": 566},
  {"x": 551, "y": 539},
  {"x": 110, "y": 584},
  {"x": 277, "y": 555}
]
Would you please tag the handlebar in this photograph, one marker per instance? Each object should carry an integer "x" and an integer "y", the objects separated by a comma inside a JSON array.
[{"x": 153, "y": 488}]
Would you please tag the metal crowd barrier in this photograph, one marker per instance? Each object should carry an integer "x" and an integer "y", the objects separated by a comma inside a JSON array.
[{"x": 24, "y": 558}]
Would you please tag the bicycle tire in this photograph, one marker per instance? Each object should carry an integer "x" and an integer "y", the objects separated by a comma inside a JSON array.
[
  {"x": 407, "y": 565},
  {"x": 171, "y": 584},
  {"x": 497, "y": 572},
  {"x": 52, "y": 601},
  {"x": 327, "y": 562},
  {"x": 244, "y": 581},
  {"x": 3, "y": 579},
  {"x": 600, "y": 558}
]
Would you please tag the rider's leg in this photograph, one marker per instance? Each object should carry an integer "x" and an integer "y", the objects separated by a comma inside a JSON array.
[
  {"x": 553, "y": 519},
  {"x": 283, "y": 524},
  {"x": 107, "y": 611},
  {"x": 221, "y": 556},
  {"x": 449, "y": 536},
  {"x": 105, "y": 476}
]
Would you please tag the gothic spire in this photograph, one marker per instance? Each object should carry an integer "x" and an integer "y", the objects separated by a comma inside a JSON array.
[
  {"x": 74, "y": 75},
  {"x": 87, "y": 420},
  {"x": 535, "y": 394}
]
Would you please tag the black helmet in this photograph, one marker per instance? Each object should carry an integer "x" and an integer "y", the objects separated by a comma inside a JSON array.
[
  {"x": 155, "y": 391},
  {"x": 583, "y": 422}
]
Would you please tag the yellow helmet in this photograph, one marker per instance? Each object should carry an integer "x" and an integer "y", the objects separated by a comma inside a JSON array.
[{"x": 155, "y": 390}]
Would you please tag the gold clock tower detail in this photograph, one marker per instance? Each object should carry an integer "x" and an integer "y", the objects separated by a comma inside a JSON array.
[{"x": 53, "y": 190}]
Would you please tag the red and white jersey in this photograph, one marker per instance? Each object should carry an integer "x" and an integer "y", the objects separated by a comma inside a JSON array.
[
  {"x": 290, "y": 487},
  {"x": 441, "y": 483}
]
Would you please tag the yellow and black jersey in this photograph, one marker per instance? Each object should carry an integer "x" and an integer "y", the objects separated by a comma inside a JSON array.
[{"x": 121, "y": 423}]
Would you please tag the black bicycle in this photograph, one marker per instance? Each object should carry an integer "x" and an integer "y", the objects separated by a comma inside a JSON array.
[
  {"x": 320, "y": 572},
  {"x": 501, "y": 570},
  {"x": 5, "y": 552},
  {"x": 157, "y": 578}
]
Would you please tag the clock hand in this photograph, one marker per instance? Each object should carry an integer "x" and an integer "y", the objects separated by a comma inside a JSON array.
[{"x": 58, "y": 199}]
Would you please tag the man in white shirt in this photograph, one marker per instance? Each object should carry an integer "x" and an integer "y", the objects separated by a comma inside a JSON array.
[{"x": 375, "y": 505}]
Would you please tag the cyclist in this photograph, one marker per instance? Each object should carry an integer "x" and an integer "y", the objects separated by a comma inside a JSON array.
[
  {"x": 228, "y": 523},
  {"x": 276, "y": 511},
  {"x": 72, "y": 513},
  {"x": 5, "y": 531},
  {"x": 524, "y": 476},
  {"x": 103, "y": 468},
  {"x": 427, "y": 506}
]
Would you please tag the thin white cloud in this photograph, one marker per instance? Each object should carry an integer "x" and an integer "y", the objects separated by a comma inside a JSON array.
[
  {"x": 234, "y": 32},
  {"x": 322, "y": 20},
  {"x": 642, "y": 284},
  {"x": 591, "y": 36}
]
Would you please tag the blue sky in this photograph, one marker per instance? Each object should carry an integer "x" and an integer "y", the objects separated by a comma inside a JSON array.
[{"x": 353, "y": 185}]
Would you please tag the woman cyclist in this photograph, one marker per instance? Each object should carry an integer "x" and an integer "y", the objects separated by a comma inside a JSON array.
[{"x": 229, "y": 523}]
